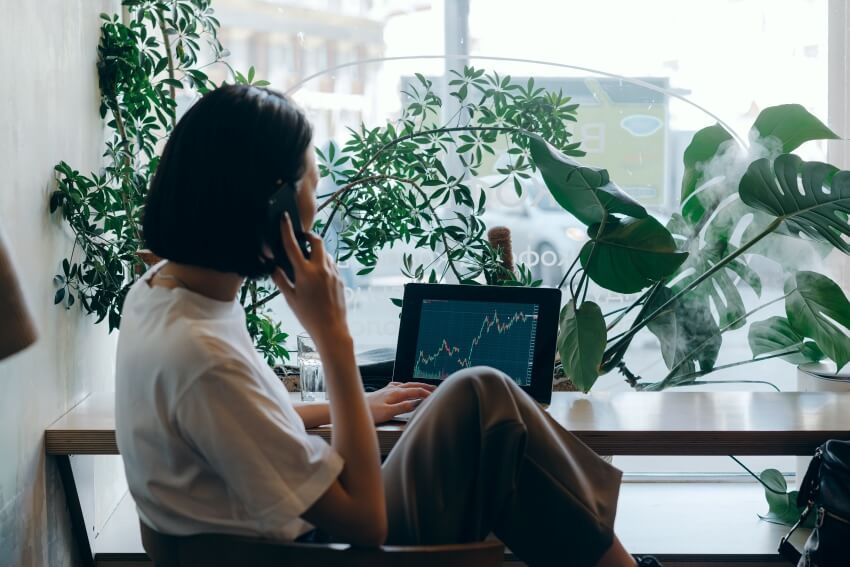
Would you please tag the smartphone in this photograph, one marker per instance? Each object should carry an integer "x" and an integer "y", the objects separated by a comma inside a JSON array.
[{"x": 283, "y": 200}]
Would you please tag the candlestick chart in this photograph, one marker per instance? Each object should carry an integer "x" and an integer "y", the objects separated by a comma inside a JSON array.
[{"x": 458, "y": 334}]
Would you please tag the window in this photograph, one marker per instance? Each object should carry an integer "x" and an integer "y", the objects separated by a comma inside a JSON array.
[{"x": 729, "y": 58}]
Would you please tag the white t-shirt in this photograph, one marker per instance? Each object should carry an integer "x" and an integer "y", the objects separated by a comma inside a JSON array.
[{"x": 210, "y": 440}]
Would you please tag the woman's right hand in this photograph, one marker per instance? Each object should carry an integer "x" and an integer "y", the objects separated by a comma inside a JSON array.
[
  {"x": 353, "y": 507},
  {"x": 318, "y": 298}
]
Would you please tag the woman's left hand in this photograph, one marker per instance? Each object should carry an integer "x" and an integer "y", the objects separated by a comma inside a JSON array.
[{"x": 396, "y": 398}]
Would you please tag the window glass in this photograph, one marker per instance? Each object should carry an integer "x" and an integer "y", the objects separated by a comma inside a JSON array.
[{"x": 646, "y": 75}]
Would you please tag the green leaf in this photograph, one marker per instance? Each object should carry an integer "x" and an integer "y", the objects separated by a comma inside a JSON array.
[
  {"x": 630, "y": 255},
  {"x": 55, "y": 201},
  {"x": 703, "y": 147},
  {"x": 586, "y": 192},
  {"x": 686, "y": 330},
  {"x": 792, "y": 125},
  {"x": 775, "y": 334},
  {"x": 720, "y": 289},
  {"x": 172, "y": 83},
  {"x": 781, "y": 505},
  {"x": 817, "y": 309},
  {"x": 812, "y": 198},
  {"x": 747, "y": 274},
  {"x": 581, "y": 343}
]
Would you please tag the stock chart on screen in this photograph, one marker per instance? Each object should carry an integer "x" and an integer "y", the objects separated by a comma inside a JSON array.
[{"x": 459, "y": 334}]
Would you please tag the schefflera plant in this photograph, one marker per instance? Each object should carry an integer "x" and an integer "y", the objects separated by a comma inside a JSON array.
[
  {"x": 737, "y": 201},
  {"x": 144, "y": 60}
]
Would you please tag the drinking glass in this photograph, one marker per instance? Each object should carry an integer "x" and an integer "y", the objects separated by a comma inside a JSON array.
[{"x": 312, "y": 374}]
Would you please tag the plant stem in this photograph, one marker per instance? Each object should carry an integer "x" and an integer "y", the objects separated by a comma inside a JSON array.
[
  {"x": 128, "y": 166},
  {"x": 567, "y": 273},
  {"x": 437, "y": 258},
  {"x": 337, "y": 195},
  {"x": 754, "y": 475},
  {"x": 443, "y": 130},
  {"x": 166, "y": 41},
  {"x": 709, "y": 382},
  {"x": 714, "y": 269},
  {"x": 252, "y": 288},
  {"x": 626, "y": 310},
  {"x": 345, "y": 188},
  {"x": 442, "y": 232},
  {"x": 682, "y": 379},
  {"x": 360, "y": 180},
  {"x": 617, "y": 336},
  {"x": 257, "y": 304},
  {"x": 572, "y": 280},
  {"x": 583, "y": 283},
  {"x": 618, "y": 310}
]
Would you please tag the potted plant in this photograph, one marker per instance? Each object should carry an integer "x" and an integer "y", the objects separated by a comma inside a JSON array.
[{"x": 736, "y": 201}]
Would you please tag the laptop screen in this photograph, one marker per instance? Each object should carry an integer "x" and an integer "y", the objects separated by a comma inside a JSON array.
[
  {"x": 458, "y": 334},
  {"x": 446, "y": 328}
]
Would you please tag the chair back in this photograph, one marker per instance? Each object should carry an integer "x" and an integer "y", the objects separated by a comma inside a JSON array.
[{"x": 212, "y": 550}]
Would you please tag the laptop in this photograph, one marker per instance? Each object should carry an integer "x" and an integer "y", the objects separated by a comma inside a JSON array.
[{"x": 445, "y": 328}]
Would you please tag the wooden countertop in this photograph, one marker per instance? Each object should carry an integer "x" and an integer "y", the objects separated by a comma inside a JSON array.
[{"x": 629, "y": 423}]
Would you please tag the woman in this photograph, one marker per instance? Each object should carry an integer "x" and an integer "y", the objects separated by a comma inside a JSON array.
[{"x": 211, "y": 441}]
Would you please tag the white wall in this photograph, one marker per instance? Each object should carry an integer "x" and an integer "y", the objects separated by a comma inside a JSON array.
[{"x": 48, "y": 112}]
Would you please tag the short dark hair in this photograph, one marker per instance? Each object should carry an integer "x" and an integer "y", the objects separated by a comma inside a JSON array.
[{"x": 224, "y": 159}]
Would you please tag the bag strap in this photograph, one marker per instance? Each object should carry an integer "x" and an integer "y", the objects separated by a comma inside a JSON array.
[{"x": 786, "y": 549}]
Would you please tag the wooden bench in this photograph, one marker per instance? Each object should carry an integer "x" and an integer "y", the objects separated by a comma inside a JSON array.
[{"x": 630, "y": 423}]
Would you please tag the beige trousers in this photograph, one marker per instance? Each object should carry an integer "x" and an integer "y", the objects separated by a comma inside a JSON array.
[{"x": 481, "y": 456}]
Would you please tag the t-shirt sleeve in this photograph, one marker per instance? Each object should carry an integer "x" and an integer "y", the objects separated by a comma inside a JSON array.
[{"x": 270, "y": 463}]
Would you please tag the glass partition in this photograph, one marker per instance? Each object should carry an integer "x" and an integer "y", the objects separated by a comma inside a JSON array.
[{"x": 646, "y": 76}]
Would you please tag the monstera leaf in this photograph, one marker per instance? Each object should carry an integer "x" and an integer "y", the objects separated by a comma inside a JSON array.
[
  {"x": 581, "y": 343},
  {"x": 721, "y": 289},
  {"x": 818, "y": 309},
  {"x": 630, "y": 255},
  {"x": 703, "y": 147},
  {"x": 686, "y": 330},
  {"x": 775, "y": 335},
  {"x": 792, "y": 125},
  {"x": 812, "y": 198},
  {"x": 777, "y": 129},
  {"x": 586, "y": 192},
  {"x": 781, "y": 503}
]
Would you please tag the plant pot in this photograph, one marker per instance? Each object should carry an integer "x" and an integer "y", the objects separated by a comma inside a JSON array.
[
  {"x": 819, "y": 377},
  {"x": 563, "y": 384},
  {"x": 290, "y": 380}
]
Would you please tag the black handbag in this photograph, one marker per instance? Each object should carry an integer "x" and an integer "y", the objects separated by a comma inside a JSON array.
[{"x": 825, "y": 491}]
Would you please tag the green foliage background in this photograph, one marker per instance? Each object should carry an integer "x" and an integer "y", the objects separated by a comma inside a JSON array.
[
  {"x": 411, "y": 180},
  {"x": 142, "y": 64},
  {"x": 392, "y": 183}
]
